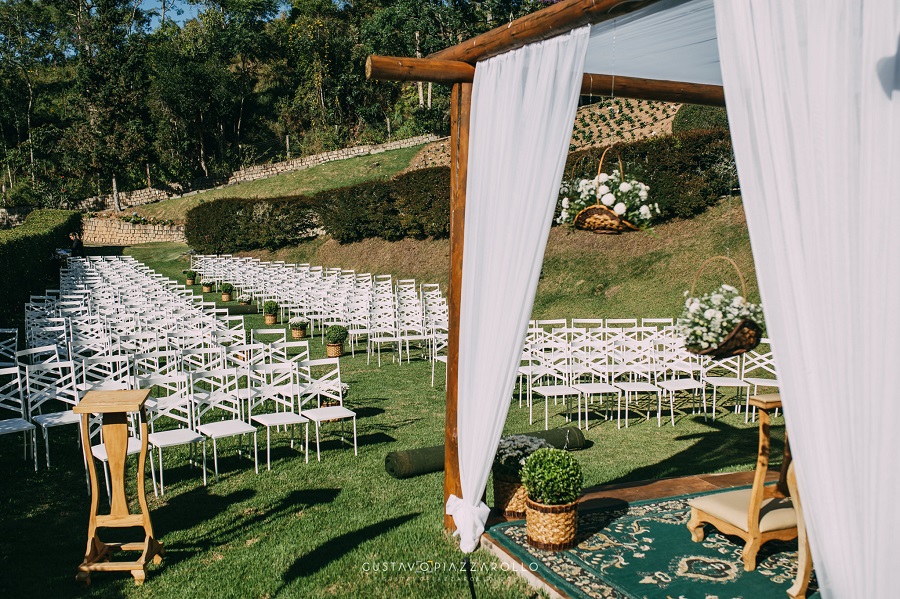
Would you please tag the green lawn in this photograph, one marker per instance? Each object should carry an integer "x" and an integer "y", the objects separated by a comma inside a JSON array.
[
  {"x": 330, "y": 175},
  {"x": 316, "y": 529}
]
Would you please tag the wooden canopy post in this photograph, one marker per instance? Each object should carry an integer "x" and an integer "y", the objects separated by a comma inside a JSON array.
[{"x": 460, "y": 110}]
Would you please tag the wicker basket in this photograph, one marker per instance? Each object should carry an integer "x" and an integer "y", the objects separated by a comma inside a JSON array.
[
  {"x": 334, "y": 350},
  {"x": 298, "y": 333},
  {"x": 270, "y": 318},
  {"x": 746, "y": 334},
  {"x": 599, "y": 218},
  {"x": 510, "y": 496},
  {"x": 226, "y": 297},
  {"x": 189, "y": 282},
  {"x": 206, "y": 288},
  {"x": 551, "y": 527}
]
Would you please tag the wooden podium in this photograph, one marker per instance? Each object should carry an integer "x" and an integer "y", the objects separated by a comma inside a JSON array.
[{"x": 114, "y": 407}]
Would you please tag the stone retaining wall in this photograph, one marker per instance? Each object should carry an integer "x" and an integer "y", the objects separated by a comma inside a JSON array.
[
  {"x": 112, "y": 231},
  {"x": 253, "y": 173}
]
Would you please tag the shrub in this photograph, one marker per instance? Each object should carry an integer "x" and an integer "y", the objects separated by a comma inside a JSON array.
[
  {"x": 227, "y": 288},
  {"x": 693, "y": 116},
  {"x": 233, "y": 224},
  {"x": 336, "y": 334},
  {"x": 686, "y": 173},
  {"x": 26, "y": 257},
  {"x": 552, "y": 477},
  {"x": 190, "y": 274},
  {"x": 270, "y": 307}
]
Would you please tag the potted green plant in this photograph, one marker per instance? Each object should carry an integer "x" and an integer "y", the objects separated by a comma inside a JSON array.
[
  {"x": 270, "y": 310},
  {"x": 190, "y": 277},
  {"x": 244, "y": 299},
  {"x": 335, "y": 336},
  {"x": 509, "y": 492},
  {"x": 553, "y": 481},
  {"x": 227, "y": 290},
  {"x": 298, "y": 326},
  {"x": 206, "y": 286}
]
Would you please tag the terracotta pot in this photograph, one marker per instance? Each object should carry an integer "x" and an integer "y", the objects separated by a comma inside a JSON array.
[
  {"x": 509, "y": 496},
  {"x": 551, "y": 527},
  {"x": 334, "y": 350},
  {"x": 207, "y": 289},
  {"x": 298, "y": 333},
  {"x": 226, "y": 297},
  {"x": 270, "y": 318},
  {"x": 189, "y": 282}
]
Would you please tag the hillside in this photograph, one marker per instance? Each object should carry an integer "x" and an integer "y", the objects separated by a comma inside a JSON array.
[{"x": 641, "y": 274}]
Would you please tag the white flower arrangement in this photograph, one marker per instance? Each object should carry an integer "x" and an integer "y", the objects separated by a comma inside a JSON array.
[
  {"x": 628, "y": 199},
  {"x": 708, "y": 319},
  {"x": 345, "y": 390},
  {"x": 513, "y": 451},
  {"x": 244, "y": 298},
  {"x": 298, "y": 322}
]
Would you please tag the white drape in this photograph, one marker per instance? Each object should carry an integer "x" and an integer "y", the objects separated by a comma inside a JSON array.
[
  {"x": 813, "y": 95},
  {"x": 523, "y": 109}
]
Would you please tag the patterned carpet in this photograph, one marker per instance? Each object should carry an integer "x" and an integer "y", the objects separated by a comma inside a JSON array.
[{"x": 644, "y": 550}]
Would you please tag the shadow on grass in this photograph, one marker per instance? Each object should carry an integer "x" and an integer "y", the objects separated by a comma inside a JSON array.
[
  {"x": 104, "y": 250},
  {"x": 722, "y": 448},
  {"x": 337, "y": 547}
]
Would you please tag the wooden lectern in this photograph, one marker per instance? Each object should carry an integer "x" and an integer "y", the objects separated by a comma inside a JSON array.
[{"x": 114, "y": 407}]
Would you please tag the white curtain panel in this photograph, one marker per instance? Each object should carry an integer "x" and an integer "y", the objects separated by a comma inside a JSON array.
[
  {"x": 813, "y": 94},
  {"x": 523, "y": 109}
]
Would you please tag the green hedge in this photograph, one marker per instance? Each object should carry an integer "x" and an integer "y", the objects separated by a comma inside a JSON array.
[
  {"x": 232, "y": 224},
  {"x": 693, "y": 116},
  {"x": 415, "y": 204},
  {"x": 686, "y": 172},
  {"x": 27, "y": 258}
]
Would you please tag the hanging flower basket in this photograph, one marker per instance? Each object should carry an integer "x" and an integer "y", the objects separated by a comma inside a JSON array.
[
  {"x": 704, "y": 319},
  {"x": 618, "y": 203}
]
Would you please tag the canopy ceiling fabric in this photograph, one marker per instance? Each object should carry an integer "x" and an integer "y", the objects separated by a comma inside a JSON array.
[{"x": 670, "y": 40}]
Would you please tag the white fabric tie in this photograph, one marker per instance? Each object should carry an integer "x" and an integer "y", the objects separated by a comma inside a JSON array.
[{"x": 469, "y": 519}]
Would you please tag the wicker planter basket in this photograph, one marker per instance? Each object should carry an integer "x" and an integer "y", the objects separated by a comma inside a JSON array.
[
  {"x": 510, "y": 497},
  {"x": 551, "y": 527},
  {"x": 207, "y": 289},
  {"x": 298, "y": 333},
  {"x": 226, "y": 297},
  {"x": 746, "y": 334},
  {"x": 334, "y": 350},
  {"x": 244, "y": 303},
  {"x": 599, "y": 218},
  {"x": 270, "y": 318},
  {"x": 189, "y": 282}
]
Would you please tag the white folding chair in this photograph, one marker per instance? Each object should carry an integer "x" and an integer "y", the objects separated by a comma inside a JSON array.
[
  {"x": 12, "y": 399},
  {"x": 275, "y": 384},
  {"x": 51, "y": 385},
  {"x": 326, "y": 385}
]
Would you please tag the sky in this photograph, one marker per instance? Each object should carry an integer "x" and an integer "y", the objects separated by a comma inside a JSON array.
[{"x": 188, "y": 10}]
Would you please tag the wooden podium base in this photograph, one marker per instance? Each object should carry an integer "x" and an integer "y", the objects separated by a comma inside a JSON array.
[{"x": 115, "y": 406}]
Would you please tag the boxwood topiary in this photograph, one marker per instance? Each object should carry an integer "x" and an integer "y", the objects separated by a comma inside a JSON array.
[
  {"x": 552, "y": 477},
  {"x": 270, "y": 307},
  {"x": 336, "y": 334},
  {"x": 227, "y": 288}
]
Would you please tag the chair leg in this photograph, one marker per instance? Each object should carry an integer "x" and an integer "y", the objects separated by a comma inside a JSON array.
[
  {"x": 269, "y": 447},
  {"x": 47, "y": 445},
  {"x": 153, "y": 473},
  {"x": 318, "y": 455},
  {"x": 749, "y": 554},
  {"x": 354, "y": 437},
  {"x": 255, "y": 453},
  {"x": 215, "y": 459},
  {"x": 672, "y": 407},
  {"x": 306, "y": 442},
  {"x": 696, "y": 527},
  {"x": 204, "y": 462}
]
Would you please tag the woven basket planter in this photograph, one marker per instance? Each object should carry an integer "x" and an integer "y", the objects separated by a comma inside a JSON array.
[
  {"x": 298, "y": 333},
  {"x": 244, "y": 303},
  {"x": 334, "y": 350},
  {"x": 510, "y": 497},
  {"x": 226, "y": 297},
  {"x": 551, "y": 527},
  {"x": 189, "y": 282},
  {"x": 746, "y": 334},
  {"x": 207, "y": 289},
  {"x": 270, "y": 318}
]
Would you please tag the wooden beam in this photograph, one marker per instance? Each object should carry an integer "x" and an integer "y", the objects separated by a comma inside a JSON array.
[
  {"x": 549, "y": 22},
  {"x": 652, "y": 89},
  {"x": 392, "y": 68},
  {"x": 460, "y": 109}
]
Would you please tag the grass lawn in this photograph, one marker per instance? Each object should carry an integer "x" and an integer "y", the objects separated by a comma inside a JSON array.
[
  {"x": 330, "y": 175},
  {"x": 318, "y": 529}
]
